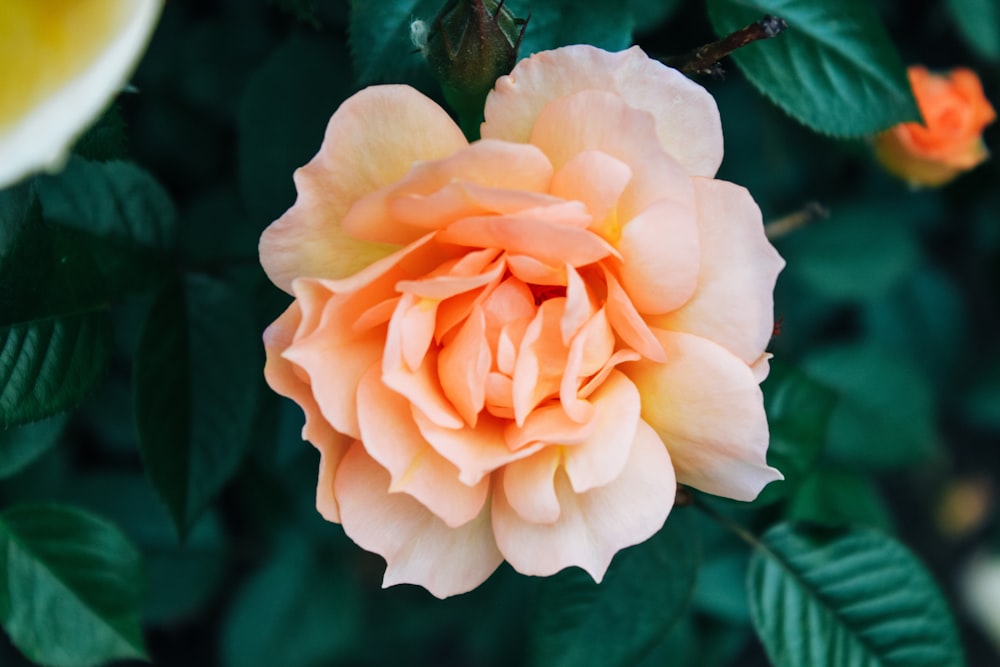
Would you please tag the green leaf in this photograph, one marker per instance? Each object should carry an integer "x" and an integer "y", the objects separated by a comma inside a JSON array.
[
  {"x": 885, "y": 415},
  {"x": 20, "y": 446},
  {"x": 380, "y": 40},
  {"x": 116, "y": 201},
  {"x": 835, "y": 497},
  {"x": 847, "y": 599},
  {"x": 646, "y": 589},
  {"x": 294, "y": 612},
  {"x": 834, "y": 69},
  {"x": 282, "y": 114},
  {"x": 196, "y": 376},
  {"x": 50, "y": 365},
  {"x": 607, "y": 24},
  {"x": 860, "y": 253},
  {"x": 798, "y": 413},
  {"x": 979, "y": 23},
  {"x": 105, "y": 139},
  {"x": 71, "y": 588}
]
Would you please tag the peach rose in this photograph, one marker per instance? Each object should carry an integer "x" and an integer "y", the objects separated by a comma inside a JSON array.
[
  {"x": 955, "y": 111},
  {"x": 515, "y": 349}
]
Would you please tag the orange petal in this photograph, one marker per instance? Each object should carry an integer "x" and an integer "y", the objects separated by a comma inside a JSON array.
[
  {"x": 686, "y": 117},
  {"x": 705, "y": 404},
  {"x": 391, "y": 437},
  {"x": 282, "y": 378},
  {"x": 596, "y": 179},
  {"x": 734, "y": 302},
  {"x": 371, "y": 141},
  {"x": 417, "y": 546},
  {"x": 592, "y": 526},
  {"x": 462, "y": 367},
  {"x": 628, "y": 323}
]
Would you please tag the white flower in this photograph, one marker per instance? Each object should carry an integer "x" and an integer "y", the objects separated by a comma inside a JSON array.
[{"x": 60, "y": 63}]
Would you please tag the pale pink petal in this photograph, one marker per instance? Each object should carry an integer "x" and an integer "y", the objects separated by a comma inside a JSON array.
[
  {"x": 597, "y": 180},
  {"x": 762, "y": 367},
  {"x": 595, "y": 525},
  {"x": 660, "y": 258},
  {"x": 462, "y": 367},
  {"x": 475, "y": 451},
  {"x": 460, "y": 200},
  {"x": 553, "y": 243},
  {"x": 734, "y": 302},
  {"x": 391, "y": 437},
  {"x": 579, "y": 307},
  {"x": 706, "y": 406},
  {"x": 687, "y": 119},
  {"x": 372, "y": 140},
  {"x": 600, "y": 458},
  {"x": 619, "y": 357},
  {"x": 550, "y": 425},
  {"x": 282, "y": 377},
  {"x": 417, "y": 546},
  {"x": 497, "y": 164},
  {"x": 529, "y": 489},
  {"x": 628, "y": 323}
]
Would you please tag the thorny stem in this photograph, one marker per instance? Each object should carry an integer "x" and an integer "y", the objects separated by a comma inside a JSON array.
[
  {"x": 705, "y": 59},
  {"x": 810, "y": 212}
]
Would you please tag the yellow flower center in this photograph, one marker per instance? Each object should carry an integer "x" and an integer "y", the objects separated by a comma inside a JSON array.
[{"x": 46, "y": 43}]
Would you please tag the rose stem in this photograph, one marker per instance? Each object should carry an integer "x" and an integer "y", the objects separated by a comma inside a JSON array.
[{"x": 705, "y": 59}]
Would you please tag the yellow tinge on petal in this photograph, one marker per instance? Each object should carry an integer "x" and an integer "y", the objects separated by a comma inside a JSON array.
[{"x": 60, "y": 63}]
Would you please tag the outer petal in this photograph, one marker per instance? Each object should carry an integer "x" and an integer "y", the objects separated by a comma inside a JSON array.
[
  {"x": 706, "y": 406},
  {"x": 734, "y": 302},
  {"x": 60, "y": 65},
  {"x": 687, "y": 119},
  {"x": 372, "y": 140},
  {"x": 392, "y": 438},
  {"x": 595, "y": 525},
  {"x": 417, "y": 546},
  {"x": 282, "y": 377}
]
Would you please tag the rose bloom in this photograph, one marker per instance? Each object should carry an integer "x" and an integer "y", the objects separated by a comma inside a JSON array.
[
  {"x": 61, "y": 61},
  {"x": 949, "y": 142},
  {"x": 515, "y": 349}
]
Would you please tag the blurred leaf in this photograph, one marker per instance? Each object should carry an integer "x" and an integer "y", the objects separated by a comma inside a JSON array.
[
  {"x": 841, "y": 599},
  {"x": 50, "y": 365},
  {"x": 885, "y": 415},
  {"x": 182, "y": 577},
  {"x": 282, "y": 114},
  {"x": 860, "y": 253},
  {"x": 982, "y": 403},
  {"x": 296, "y": 611},
  {"x": 71, "y": 587},
  {"x": 979, "y": 23},
  {"x": 650, "y": 14},
  {"x": 924, "y": 317},
  {"x": 22, "y": 445},
  {"x": 379, "y": 36},
  {"x": 606, "y": 24},
  {"x": 196, "y": 376},
  {"x": 798, "y": 414},
  {"x": 835, "y": 497},
  {"x": 617, "y": 622},
  {"x": 834, "y": 69},
  {"x": 720, "y": 591},
  {"x": 117, "y": 201},
  {"x": 105, "y": 139}
]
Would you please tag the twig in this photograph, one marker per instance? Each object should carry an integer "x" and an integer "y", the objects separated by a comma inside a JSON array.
[
  {"x": 705, "y": 59},
  {"x": 808, "y": 213}
]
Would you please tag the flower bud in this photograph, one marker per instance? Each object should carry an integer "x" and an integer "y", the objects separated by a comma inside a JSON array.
[
  {"x": 471, "y": 44},
  {"x": 949, "y": 141}
]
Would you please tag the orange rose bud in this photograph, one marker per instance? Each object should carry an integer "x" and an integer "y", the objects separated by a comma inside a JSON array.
[{"x": 950, "y": 141}]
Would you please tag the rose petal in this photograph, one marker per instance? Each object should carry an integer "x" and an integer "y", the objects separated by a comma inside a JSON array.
[
  {"x": 282, "y": 378},
  {"x": 706, "y": 406},
  {"x": 417, "y": 546},
  {"x": 371, "y": 141},
  {"x": 734, "y": 302},
  {"x": 462, "y": 367},
  {"x": 597, "y": 180},
  {"x": 391, "y": 437},
  {"x": 628, "y": 323},
  {"x": 528, "y": 487},
  {"x": 686, "y": 117},
  {"x": 595, "y": 525}
]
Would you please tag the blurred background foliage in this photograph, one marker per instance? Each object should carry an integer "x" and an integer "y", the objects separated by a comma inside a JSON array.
[{"x": 884, "y": 399}]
